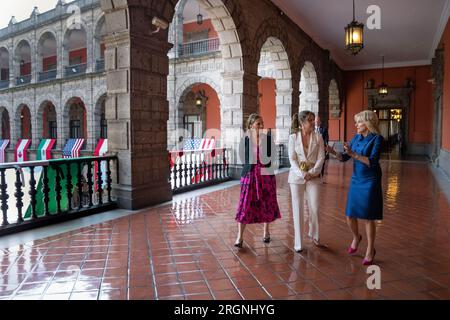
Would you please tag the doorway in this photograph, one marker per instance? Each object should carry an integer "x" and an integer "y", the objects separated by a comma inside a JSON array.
[{"x": 392, "y": 129}]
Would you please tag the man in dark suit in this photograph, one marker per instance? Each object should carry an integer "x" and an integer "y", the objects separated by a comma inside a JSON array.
[{"x": 324, "y": 132}]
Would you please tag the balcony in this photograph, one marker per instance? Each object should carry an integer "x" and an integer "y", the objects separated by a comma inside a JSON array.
[
  {"x": 100, "y": 65},
  {"x": 47, "y": 75},
  {"x": 4, "y": 84},
  {"x": 199, "y": 47},
  {"x": 75, "y": 70},
  {"x": 23, "y": 80},
  {"x": 60, "y": 190}
]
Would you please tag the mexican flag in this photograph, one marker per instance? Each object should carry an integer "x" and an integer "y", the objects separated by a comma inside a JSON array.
[
  {"x": 51, "y": 173},
  {"x": 44, "y": 149},
  {"x": 20, "y": 153}
]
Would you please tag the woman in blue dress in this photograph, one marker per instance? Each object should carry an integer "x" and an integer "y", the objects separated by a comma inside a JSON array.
[{"x": 365, "y": 198}]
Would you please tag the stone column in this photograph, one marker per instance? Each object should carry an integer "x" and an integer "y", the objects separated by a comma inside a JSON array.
[
  {"x": 137, "y": 108},
  {"x": 90, "y": 48}
]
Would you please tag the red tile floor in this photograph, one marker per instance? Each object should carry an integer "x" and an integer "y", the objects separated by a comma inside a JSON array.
[{"x": 185, "y": 250}]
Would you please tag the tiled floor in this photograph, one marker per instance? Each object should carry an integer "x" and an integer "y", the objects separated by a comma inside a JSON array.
[{"x": 185, "y": 250}]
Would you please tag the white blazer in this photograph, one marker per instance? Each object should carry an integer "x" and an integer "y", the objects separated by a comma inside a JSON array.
[{"x": 315, "y": 157}]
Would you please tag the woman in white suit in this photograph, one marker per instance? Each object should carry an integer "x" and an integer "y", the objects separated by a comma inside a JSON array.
[{"x": 306, "y": 155}]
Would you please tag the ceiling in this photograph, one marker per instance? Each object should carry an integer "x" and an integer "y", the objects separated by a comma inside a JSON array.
[{"x": 410, "y": 29}]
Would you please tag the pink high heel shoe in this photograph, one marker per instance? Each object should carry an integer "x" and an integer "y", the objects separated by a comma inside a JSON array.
[
  {"x": 353, "y": 250},
  {"x": 369, "y": 262}
]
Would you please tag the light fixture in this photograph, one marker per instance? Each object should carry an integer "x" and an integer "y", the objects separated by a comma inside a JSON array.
[
  {"x": 396, "y": 114},
  {"x": 200, "y": 99},
  {"x": 354, "y": 35},
  {"x": 22, "y": 62},
  {"x": 199, "y": 16},
  {"x": 383, "y": 88}
]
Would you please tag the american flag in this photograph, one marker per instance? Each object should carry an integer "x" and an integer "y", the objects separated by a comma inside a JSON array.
[
  {"x": 72, "y": 148},
  {"x": 199, "y": 144}
]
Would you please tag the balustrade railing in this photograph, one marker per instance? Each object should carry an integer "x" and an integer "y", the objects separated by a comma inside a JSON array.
[
  {"x": 47, "y": 75},
  {"x": 34, "y": 194},
  {"x": 4, "y": 84},
  {"x": 100, "y": 65},
  {"x": 23, "y": 79},
  {"x": 192, "y": 169},
  {"x": 75, "y": 70},
  {"x": 199, "y": 47}
]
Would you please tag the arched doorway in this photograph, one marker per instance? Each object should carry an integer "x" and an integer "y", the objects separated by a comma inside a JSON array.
[
  {"x": 76, "y": 120},
  {"x": 47, "y": 61},
  {"x": 4, "y": 123},
  {"x": 309, "y": 89},
  {"x": 47, "y": 121},
  {"x": 275, "y": 88},
  {"x": 23, "y": 117}
]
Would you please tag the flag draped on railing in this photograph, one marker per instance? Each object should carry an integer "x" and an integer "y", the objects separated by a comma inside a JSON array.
[
  {"x": 72, "y": 148},
  {"x": 44, "y": 149},
  {"x": 3, "y": 145},
  {"x": 100, "y": 150},
  {"x": 20, "y": 152}
]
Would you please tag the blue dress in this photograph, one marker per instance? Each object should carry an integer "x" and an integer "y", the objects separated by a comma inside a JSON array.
[{"x": 365, "y": 197}]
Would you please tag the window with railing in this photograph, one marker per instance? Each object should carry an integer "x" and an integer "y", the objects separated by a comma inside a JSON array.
[{"x": 199, "y": 47}]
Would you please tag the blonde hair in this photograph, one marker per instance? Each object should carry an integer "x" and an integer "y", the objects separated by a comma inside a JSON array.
[
  {"x": 300, "y": 118},
  {"x": 252, "y": 118},
  {"x": 370, "y": 118}
]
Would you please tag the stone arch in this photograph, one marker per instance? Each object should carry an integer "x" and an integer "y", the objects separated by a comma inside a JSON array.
[
  {"x": 23, "y": 122},
  {"x": 74, "y": 110},
  {"x": 309, "y": 88},
  {"x": 274, "y": 63},
  {"x": 46, "y": 119},
  {"x": 75, "y": 39},
  {"x": 228, "y": 22},
  {"x": 23, "y": 61},
  {"x": 5, "y": 124},
  {"x": 46, "y": 41},
  {"x": 99, "y": 117},
  {"x": 334, "y": 103},
  {"x": 176, "y": 118}
]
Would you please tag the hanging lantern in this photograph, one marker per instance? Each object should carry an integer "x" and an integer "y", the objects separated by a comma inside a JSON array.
[
  {"x": 383, "y": 88},
  {"x": 199, "y": 16},
  {"x": 354, "y": 35}
]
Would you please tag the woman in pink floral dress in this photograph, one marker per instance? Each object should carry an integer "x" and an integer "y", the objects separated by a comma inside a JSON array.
[{"x": 258, "y": 198}]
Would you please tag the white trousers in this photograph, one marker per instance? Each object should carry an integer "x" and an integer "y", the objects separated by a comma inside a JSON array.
[{"x": 310, "y": 192}]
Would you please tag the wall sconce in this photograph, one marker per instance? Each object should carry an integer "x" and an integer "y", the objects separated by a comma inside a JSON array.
[{"x": 22, "y": 62}]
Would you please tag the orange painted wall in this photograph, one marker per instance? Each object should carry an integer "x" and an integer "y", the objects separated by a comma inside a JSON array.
[
  {"x": 446, "y": 99},
  {"x": 212, "y": 111},
  {"x": 421, "y": 104},
  {"x": 267, "y": 102},
  {"x": 194, "y": 27}
]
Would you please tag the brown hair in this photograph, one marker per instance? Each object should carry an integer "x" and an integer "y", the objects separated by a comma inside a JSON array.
[
  {"x": 251, "y": 120},
  {"x": 300, "y": 118}
]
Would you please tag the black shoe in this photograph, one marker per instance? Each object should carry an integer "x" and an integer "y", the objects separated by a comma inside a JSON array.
[
  {"x": 299, "y": 251},
  {"x": 239, "y": 244},
  {"x": 266, "y": 239}
]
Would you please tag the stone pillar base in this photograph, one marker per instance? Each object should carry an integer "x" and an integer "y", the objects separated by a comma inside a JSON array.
[{"x": 142, "y": 196}]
